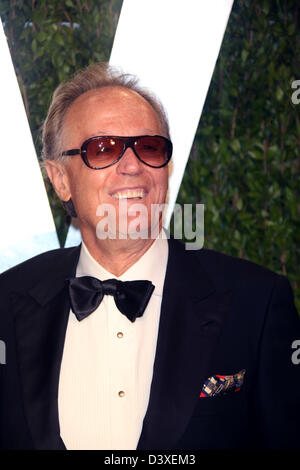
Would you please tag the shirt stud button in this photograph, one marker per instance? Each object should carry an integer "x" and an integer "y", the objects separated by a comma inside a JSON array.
[
  {"x": 120, "y": 334},
  {"x": 121, "y": 393}
]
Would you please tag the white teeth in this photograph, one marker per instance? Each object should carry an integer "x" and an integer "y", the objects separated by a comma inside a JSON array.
[{"x": 130, "y": 193}]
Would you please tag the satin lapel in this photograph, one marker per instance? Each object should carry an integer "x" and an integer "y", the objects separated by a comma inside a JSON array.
[
  {"x": 192, "y": 316},
  {"x": 41, "y": 316}
]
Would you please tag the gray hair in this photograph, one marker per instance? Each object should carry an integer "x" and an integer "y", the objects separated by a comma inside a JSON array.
[{"x": 92, "y": 77}]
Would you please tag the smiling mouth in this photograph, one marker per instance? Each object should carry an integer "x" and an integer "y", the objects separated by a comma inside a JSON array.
[{"x": 130, "y": 194}]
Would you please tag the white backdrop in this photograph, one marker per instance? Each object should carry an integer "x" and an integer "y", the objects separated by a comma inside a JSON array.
[
  {"x": 172, "y": 46},
  {"x": 27, "y": 226}
]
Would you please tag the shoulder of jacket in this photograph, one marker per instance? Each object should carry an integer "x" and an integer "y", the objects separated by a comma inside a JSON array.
[
  {"x": 230, "y": 269},
  {"x": 36, "y": 267}
]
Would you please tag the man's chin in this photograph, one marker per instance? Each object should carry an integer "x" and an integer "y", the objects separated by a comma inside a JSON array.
[
  {"x": 131, "y": 229},
  {"x": 136, "y": 221}
]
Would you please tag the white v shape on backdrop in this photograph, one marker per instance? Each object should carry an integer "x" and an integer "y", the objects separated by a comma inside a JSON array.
[
  {"x": 172, "y": 46},
  {"x": 27, "y": 226}
]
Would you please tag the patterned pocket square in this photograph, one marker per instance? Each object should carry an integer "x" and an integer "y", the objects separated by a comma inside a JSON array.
[{"x": 222, "y": 384}]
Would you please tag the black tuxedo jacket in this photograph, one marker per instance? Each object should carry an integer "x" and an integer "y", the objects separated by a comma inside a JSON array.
[{"x": 219, "y": 315}]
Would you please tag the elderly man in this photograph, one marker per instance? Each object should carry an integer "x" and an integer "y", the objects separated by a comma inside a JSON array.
[{"x": 130, "y": 341}]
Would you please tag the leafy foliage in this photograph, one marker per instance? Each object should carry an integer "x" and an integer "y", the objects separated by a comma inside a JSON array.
[{"x": 245, "y": 161}]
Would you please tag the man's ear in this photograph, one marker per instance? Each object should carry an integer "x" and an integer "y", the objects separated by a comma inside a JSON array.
[{"x": 59, "y": 178}]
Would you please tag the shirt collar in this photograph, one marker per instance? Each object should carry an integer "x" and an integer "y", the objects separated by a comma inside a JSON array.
[{"x": 151, "y": 266}]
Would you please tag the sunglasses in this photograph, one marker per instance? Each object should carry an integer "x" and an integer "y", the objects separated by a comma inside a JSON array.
[{"x": 103, "y": 151}]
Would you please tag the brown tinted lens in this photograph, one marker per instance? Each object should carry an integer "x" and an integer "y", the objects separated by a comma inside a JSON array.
[
  {"x": 152, "y": 150},
  {"x": 103, "y": 151}
]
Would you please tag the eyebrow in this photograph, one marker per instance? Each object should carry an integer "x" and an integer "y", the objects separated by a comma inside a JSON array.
[{"x": 104, "y": 133}]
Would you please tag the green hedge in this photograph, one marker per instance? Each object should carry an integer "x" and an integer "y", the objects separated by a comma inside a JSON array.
[{"x": 245, "y": 161}]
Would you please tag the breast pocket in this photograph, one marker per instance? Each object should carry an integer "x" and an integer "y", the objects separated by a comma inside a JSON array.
[
  {"x": 218, "y": 422},
  {"x": 232, "y": 402}
]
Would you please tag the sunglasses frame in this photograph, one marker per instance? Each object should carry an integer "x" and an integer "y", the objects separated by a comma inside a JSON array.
[{"x": 128, "y": 143}]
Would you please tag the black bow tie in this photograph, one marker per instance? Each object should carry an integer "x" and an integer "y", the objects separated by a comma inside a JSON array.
[{"x": 131, "y": 297}]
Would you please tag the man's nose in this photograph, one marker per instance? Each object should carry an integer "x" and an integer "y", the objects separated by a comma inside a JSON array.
[{"x": 129, "y": 164}]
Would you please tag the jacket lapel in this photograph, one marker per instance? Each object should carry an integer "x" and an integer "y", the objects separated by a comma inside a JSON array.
[
  {"x": 41, "y": 316},
  {"x": 192, "y": 316}
]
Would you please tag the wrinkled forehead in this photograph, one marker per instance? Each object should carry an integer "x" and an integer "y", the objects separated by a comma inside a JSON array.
[
  {"x": 107, "y": 94},
  {"x": 108, "y": 111}
]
